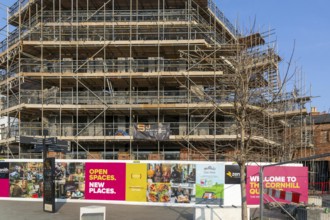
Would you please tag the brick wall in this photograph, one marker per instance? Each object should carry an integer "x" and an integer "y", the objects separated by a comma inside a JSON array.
[{"x": 322, "y": 139}]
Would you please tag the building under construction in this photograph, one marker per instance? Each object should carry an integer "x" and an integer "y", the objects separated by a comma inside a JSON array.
[{"x": 143, "y": 79}]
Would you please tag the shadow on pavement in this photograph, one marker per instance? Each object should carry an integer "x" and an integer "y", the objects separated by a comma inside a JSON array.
[
  {"x": 59, "y": 205},
  {"x": 183, "y": 214}
]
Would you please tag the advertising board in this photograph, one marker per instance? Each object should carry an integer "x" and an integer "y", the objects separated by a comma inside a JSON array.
[{"x": 284, "y": 178}]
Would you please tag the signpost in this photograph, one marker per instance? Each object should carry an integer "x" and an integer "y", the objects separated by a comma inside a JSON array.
[
  {"x": 49, "y": 185},
  {"x": 49, "y": 174},
  {"x": 42, "y": 145}
]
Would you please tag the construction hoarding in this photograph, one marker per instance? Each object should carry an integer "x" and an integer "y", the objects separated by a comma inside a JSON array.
[{"x": 166, "y": 182}]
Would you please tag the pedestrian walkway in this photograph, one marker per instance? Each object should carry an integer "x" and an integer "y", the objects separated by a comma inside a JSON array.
[{"x": 14, "y": 210}]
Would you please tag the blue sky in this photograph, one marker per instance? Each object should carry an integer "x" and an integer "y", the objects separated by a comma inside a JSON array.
[{"x": 305, "y": 22}]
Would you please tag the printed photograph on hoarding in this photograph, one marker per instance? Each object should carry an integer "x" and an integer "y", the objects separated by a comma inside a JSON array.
[
  {"x": 210, "y": 184},
  {"x": 159, "y": 192},
  {"x": 60, "y": 180},
  {"x": 4, "y": 170},
  {"x": 159, "y": 187},
  {"x": 173, "y": 183},
  {"x": 74, "y": 187},
  {"x": 26, "y": 180},
  {"x": 69, "y": 180},
  {"x": 183, "y": 173},
  {"x": 159, "y": 173},
  {"x": 183, "y": 193}
]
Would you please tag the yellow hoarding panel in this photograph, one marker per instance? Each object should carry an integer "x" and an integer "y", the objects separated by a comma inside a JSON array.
[{"x": 136, "y": 182}]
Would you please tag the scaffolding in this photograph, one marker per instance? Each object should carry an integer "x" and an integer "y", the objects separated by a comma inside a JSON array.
[{"x": 87, "y": 71}]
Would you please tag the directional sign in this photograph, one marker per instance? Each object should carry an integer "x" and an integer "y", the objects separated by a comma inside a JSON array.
[
  {"x": 56, "y": 148},
  {"x": 51, "y": 140},
  {"x": 39, "y": 141},
  {"x": 52, "y": 143},
  {"x": 28, "y": 140},
  {"x": 63, "y": 143}
]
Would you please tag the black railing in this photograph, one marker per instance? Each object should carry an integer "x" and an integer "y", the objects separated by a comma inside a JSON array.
[{"x": 15, "y": 7}]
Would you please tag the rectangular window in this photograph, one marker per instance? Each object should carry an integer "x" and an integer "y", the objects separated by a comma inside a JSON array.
[{"x": 324, "y": 137}]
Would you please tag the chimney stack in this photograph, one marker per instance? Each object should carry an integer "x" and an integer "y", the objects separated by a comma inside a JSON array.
[{"x": 314, "y": 111}]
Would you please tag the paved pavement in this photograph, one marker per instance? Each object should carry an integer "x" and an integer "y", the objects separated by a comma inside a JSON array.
[
  {"x": 14, "y": 210},
  {"x": 326, "y": 200},
  {"x": 19, "y": 210}
]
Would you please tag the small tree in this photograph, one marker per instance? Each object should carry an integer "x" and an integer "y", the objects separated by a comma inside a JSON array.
[
  {"x": 258, "y": 95},
  {"x": 250, "y": 85}
]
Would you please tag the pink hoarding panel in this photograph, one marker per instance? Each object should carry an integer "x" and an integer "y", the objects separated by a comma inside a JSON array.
[
  {"x": 289, "y": 179},
  {"x": 105, "y": 181},
  {"x": 4, "y": 187}
]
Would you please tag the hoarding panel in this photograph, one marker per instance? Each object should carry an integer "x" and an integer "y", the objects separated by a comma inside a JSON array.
[
  {"x": 74, "y": 184},
  {"x": 136, "y": 182},
  {"x": 4, "y": 179},
  {"x": 210, "y": 184},
  {"x": 26, "y": 179},
  {"x": 232, "y": 174},
  {"x": 290, "y": 179},
  {"x": 105, "y": 181}
]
